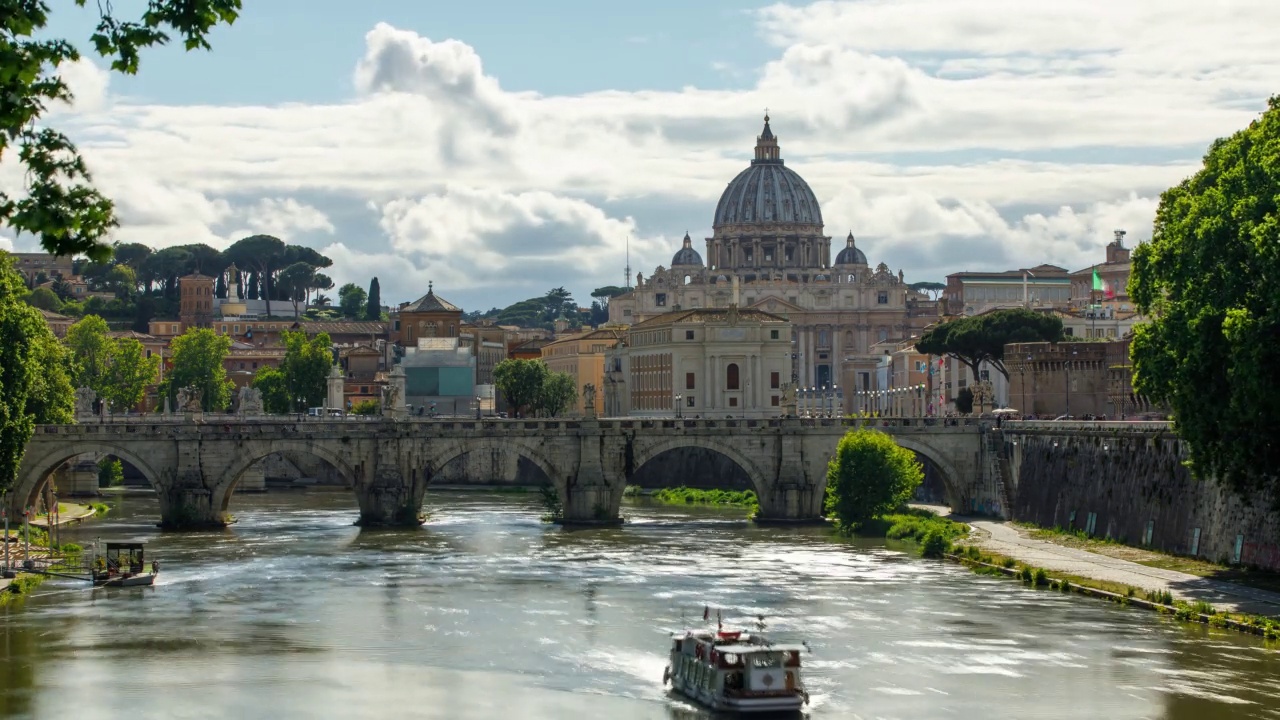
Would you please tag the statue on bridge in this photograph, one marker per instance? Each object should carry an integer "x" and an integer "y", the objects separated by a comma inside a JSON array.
[
  {"x": 189, "y": 399},
  {"x": 788, "y": 401},
  {"x": 589, "y": 399},
  {"x": 85, "y": 398},
  {"x": 390, "y": 394},
  {"x": 250, "y": 401}
]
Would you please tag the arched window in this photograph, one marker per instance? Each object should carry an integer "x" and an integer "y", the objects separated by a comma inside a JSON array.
[
  {"x": 884, "y": 334},
  {"x": 731, "y": 377}
]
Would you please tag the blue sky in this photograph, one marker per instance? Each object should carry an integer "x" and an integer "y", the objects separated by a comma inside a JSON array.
[{"x": 503, "y": 148}]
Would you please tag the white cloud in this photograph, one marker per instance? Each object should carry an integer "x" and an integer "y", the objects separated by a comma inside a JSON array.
[
  {"x": 88, "y": 84},
  {"x": 944, "y": 132},
  {"x": 6, "y": 244}
]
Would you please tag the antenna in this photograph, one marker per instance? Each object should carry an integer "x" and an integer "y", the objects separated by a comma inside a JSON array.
[{"x": 627, "y": 270}]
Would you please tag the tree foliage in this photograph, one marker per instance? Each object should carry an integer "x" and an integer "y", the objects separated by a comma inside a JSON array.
[
  {"x": 45, "y": 299},
  {"x": 129, "y": 373},
  {"x": 520, "y": 382},
  {"x": 1210, "y": 281},
  {"x": 275, "y": 390},
  {"x": 306, "y": 365},
  {"x": 197, "y": 359},
  {"x": 90, "y": 352},
  {"x": 933, "y": 288},
  {"x": 33, "y": 382},
  {"x": 60, "y": 204},
  {"x": 373, "y": 304},
  {"x": 869, "y": 476},
  {"x": 557, "y": 394},
  {"x": 351, "y": 301},
  {"x": 366, "y": 407},
  {"x": 973, "y": 340}
]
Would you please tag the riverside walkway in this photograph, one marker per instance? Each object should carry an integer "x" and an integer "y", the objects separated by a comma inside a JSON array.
[{"x": 1012, "y": 541}]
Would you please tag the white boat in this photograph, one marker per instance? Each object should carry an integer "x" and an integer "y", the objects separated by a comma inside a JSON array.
[{"x": 736, "y": 671}]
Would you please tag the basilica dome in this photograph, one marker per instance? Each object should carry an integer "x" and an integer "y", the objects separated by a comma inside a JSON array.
[
  {"x": 686, "y": 255},
  {"x": 767, "y": 192}
]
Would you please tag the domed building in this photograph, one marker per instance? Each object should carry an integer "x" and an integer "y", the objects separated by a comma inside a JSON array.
[{"x": 769, "y": 251}]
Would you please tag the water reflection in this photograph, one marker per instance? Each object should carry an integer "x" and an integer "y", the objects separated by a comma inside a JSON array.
[{"x": 486, "y": 612}]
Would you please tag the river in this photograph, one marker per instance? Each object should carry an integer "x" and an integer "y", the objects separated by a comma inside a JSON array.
[{"x": 488, "y": 613}]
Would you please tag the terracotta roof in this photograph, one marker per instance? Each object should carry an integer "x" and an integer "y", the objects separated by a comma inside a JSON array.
[
  {"x": 370, "y": 327},
  {"x": 593, "y": 335},
  {"x": 534, "y": 344},
  {"x": 52, "y": 316},
  {"x": 140, "y": 337},
  {"x": 704, "y": 315},
  {"x": 430, "y": 303},
  {"x": 1047, "y": 270}
]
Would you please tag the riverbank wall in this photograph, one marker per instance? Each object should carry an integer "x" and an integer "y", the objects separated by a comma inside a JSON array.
[{"x": 1132, "y": 484}]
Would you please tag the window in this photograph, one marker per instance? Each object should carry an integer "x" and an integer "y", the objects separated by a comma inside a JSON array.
[
  {"x": 883, "y": 334},
  {"x": 626, "y": 312},
  {"x": 773, "y": 400},
  {"x": 241, "y": 366},
  {"x": 660, "y": 299},
  {"x": 733, "y": 402},
  {"x": 148, "y": 353},
  {"x": 255, "y": 366},
  {"x": 773, "y": 334},
  {"x": 882, "y": 298},
  {"x": 236, "y": 328},
  {"x": 688, "y": 381},
  {"x": 774, "y": 380},
  {"x": 688, "y": 334},
  {"x": 688, "y": 401},
  {"x": 731, "y": 377},
  {"x": 224, "y": 329}
]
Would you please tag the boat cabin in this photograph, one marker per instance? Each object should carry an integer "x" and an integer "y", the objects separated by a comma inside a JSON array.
[
  {"x": 736, "y": 664},
  {"x": 121, "y": 558}
]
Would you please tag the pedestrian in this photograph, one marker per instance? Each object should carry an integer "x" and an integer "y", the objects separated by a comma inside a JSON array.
[{"x": 155, "y": 567}]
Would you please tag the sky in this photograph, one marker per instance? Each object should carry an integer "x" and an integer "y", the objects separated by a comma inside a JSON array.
[{"x": 500, "y": 148}]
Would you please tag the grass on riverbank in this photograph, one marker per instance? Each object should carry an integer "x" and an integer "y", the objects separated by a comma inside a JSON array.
[
  {"x": 1248, "y": 577},
  {"x": 694, "y": 496},
  {"x": 21, "y": 586},
  {"x": 933, "y": 533},
  {"x": 989, "y": 563},
  {"x": 100, "y": 509}
]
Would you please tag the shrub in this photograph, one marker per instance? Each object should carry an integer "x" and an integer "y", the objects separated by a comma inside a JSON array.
[
  {"x": 869, "y": 476},
  {"x": 366, "y": 407},
  {"x": 110, "y": 473},
  {"x": 1041, "y": 577},
  {"x": 631, "y": 491},
  {"x": 1008, "y": 562},
  {"x": 935, "y": 544},
  {"x": 1026, "y": 574}
]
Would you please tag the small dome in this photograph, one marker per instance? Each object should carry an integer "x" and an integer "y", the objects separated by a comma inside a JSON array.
[
  {"x": 686, "y": 255},
  {"x": 851, "y": 255}
]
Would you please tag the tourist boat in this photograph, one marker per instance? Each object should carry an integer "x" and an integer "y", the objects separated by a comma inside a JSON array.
[
  {"x": 123, "y": 566},
  {"x": 736, "y": 671}
]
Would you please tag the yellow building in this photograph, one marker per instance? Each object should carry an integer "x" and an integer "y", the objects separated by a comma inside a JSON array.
[{"x": 582, "y": 357}]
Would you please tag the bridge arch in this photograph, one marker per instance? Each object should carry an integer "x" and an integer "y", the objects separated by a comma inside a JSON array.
[
  {"x": 38, "y": 467},
  {"x": 225, "y": 487},
  {"x": 645, "y": 452},
  {"x": 443, "y": 454},
  {"x": 950, "y": 476}
]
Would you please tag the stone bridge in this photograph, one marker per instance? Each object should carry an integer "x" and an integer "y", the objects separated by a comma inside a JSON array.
[{"x": 196, "y": 464}]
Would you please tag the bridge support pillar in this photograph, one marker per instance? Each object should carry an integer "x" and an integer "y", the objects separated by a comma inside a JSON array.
[
  {"x": 391, "y": 499},
  {"x": 189, "y": 508},
  {"x": 792, "y": 502},
  {"x": 589, "y": 498}
]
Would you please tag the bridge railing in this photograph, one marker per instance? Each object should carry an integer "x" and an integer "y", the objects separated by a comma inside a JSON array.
[{"x": 1083, "y": 425}]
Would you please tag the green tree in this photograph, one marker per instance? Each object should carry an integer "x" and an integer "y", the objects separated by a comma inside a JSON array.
[
  {"x": 60, "y": 204},
  {"x": 45, "y": 299},
  {"x": 33, "y": 383},
  {"x": 373, "y": 306},
  {"x": 869, "y": 476},
  {"x": 263, "y": 254},
  {"x": 91, "y": 351},
  {"x": 297, "y": 280},
  {"x": 933, "y": 288},
  {"x": 558, "y": 393},
  {"x": 307, "y": 363},
  {"x": 964, "y": 401},
  {"x": 351, "y": 301},
  {"x": 129, "y": 373},
  {"x": 132, "y": 254},
  {"x": 122, "y": 281},
  {"x": 1210, "y": 282},
  {"x": 197, "y": 360},
  {"x": 110, "y": 472},
  {"x": 973, "y": 340},
  {"x": 520, "y": 382},
  {"x": 275, "y": 391},
  {"x": 366, "y": 407}
]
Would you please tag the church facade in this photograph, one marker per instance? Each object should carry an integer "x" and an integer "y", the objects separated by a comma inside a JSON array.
[{"x": 769, "y": 251}]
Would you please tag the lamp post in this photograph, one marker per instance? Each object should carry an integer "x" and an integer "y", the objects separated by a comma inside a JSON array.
[
  {"x": 477, "y": 407},
  {"x": 679, "y": 405},
  {"x": 746, "y": 398},
  {"x": 835, "y": 401},
  {"x": 299, "y": 406}
]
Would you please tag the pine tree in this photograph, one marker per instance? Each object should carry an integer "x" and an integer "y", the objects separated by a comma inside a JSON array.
[
  {"x": 220, "y": 289},
  {"x": 251, "y": 293},
  {"x": 373, "y": 308}
]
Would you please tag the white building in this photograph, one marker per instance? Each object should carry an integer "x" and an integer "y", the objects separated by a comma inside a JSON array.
[{"x": 704, "y": 362}]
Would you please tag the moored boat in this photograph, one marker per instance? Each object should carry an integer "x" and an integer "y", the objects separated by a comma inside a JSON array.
[
  {"x": 736, "y": 671},
  {"x": 123, "y": 566}
]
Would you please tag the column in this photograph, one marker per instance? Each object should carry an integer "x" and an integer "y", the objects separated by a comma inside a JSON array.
[
  {"x": 706, "y": 382},
  {"x": 714, "y": 385}
]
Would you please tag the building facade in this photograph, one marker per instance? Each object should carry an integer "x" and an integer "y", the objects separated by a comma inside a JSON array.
[
  {"x": 769, "y": 252},
  {"x": 33, "y": 265},
  {"x": 973, "y": 293},
  {"x": 705, "y": 362},
  {"x": 1112, "y": 275},
  {"x": 582, "y": 357},
  {"x": 427, "y": 317},
  {"x": 195, "y": 301}
]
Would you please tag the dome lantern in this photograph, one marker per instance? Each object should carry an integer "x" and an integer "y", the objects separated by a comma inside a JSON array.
[{"x": 686, "y": 255}]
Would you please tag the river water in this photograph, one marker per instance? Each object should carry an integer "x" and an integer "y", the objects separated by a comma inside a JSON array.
[{"x": 488, "y": 613}]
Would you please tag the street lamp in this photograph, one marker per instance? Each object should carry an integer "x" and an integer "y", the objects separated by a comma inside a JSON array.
[
  {"x": 477, "y": 407},
  {"x": 679, "y": 404},
  {"x": 835, "y": 397},
  {"x": 299, "y": 405}
]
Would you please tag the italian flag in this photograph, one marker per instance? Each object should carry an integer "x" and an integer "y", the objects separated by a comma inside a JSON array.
[{"x": 1101, "y": 286}]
